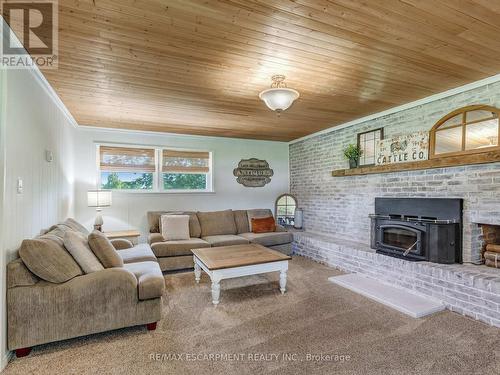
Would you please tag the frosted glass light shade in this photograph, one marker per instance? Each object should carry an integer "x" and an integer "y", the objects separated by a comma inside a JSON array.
[
  {"x": 279, "y": 99},
  {"x": 99, "y": 198}
]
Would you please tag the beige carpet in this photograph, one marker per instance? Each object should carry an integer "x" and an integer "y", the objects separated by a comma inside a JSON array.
[{"x": 255, "y": 325}]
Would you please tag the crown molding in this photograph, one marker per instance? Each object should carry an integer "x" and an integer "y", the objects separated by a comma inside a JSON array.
[
  {"x": 39, "y": 77},
  {"x": 167, "y": 134},
  {"x": 416, "y": 103},
  {"x": 42, "y": 81}
]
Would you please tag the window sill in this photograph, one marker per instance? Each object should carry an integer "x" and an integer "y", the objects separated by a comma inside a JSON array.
[{"x": 190, "y": 192}]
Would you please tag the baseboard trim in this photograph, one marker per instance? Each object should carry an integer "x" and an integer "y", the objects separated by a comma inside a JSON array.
[{"x": 6, "y": 357}]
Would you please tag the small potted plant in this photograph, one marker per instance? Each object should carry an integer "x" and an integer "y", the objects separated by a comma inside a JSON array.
[{"x": 352, "y": 153}]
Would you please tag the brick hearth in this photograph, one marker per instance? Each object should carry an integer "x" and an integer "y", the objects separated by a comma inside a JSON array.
[{"x": 466, "y": 289}]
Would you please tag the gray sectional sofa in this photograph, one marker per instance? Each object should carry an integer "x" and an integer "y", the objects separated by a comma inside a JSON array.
[
  {"x": 39, "y": 311},
  {"x": 210, "y": 229}
]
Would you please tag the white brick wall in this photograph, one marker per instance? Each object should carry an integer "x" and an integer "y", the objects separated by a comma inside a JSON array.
[
  {"x": 467, "y": 289},
  {"x": 340, "y": 205}
]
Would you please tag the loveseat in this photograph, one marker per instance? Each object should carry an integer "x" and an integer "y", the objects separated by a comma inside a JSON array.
[
  {"x": 40, "y": 311},
  {"x": 210, "y": 229}
]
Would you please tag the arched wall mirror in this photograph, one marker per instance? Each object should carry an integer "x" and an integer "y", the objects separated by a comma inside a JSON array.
[
  {"x": 285, "y": 209},
  {"x": 468, "y": 130}
]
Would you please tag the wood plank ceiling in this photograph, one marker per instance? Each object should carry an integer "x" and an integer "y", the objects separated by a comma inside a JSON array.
[{"x": 197, "y": 66}]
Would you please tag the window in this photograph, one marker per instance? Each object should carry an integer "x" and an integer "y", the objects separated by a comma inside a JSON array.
[
  {"x": 154, "y": 169},
  {"x": 185, "y": 170},
  {"x": 367, "y": 142},
  {"x": 472, "y": 129},
  {"x": 285, "y": 209},
  {"x": 127, "y": 168}
]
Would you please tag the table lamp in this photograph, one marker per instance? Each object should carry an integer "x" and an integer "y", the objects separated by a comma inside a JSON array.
[{"x": 99, "y": 199}]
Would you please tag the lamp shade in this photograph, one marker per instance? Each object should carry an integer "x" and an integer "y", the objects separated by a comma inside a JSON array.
[
  {"x": 279, "y": 99},
  {"x": 99, "y": 198}
]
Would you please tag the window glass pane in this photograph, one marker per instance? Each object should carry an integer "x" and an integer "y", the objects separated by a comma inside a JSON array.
[
  {"x": 185, "y": 161},
  {"x": 482, "y": 134},
  {"x": 479, "y": 115},
  {"x": 369, "y": 151},
  {"x": 367, "y": 144},
  {"x": 369, "y": 136},
  {"x": 281, "y": 210},
  {"x": 126, "y": 180},
  {"x": 126, "y": 159},
  {"x": 448, "y": 140},
  {"x": 282, "y": 200},
  {"x": 455, "y": 120},
  {"x": 184, "y": 181},
  {"x": 290, "y": 210}
]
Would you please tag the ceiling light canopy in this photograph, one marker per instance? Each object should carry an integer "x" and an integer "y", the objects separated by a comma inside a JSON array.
[{"x": 279, "y": 97}]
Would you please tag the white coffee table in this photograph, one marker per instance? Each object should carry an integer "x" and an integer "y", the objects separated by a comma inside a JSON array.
[{"x": 227, "y": 262}]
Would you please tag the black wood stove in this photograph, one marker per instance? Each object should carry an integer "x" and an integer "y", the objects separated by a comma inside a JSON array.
[{"x": 418, "y": 229}]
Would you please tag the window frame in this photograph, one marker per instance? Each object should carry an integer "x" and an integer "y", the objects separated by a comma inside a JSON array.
[
  {"x": 463, "y": 125},
  {"x": 157, "y": 174},
  {"x": 359, "y": 144},
  {"x": 161, "y": 186},
  {"x": 286, "y": 205}
]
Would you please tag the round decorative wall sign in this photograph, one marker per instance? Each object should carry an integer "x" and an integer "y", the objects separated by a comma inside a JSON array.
[{"x": 253, "y": 172}]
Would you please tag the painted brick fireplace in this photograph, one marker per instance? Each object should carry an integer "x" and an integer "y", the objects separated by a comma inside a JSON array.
[
  {"x": 336, "y": 209},
  {"x": 342, "y": 204}
]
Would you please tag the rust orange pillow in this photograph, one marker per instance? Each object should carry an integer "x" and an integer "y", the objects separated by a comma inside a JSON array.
[{"x": 263, "y": 225}]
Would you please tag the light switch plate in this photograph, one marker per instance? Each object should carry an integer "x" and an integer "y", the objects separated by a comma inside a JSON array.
[
  {"x": 49, "y": 156},
  {"x": 19, "y": 185}
]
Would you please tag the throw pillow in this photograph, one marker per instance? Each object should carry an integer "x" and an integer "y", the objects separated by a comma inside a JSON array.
[
  {"x": 154, "y": 221},
  {"x": 48, "y": 260},
  {"x": 104, "y": 250},
  {"x": 263, "y": 225},
  {"x": 76, "y": 226},
  {"x": 78, "y": 246},
  {"x": 217, "y": 222},
  {"x": 175, "y": 227},
  {"x": 259, "y": 213}
]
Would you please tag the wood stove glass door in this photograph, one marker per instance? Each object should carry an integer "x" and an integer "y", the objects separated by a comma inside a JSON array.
[{"x": 402, "y": 238}]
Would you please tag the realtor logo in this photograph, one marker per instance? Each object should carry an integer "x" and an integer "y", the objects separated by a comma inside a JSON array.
[{"x": 29, "y": 34}]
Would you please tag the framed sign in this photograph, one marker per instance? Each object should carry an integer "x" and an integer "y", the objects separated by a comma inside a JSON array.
[
  {"x": 403, "y": 149},
  {"x": 253, "y": 172}
]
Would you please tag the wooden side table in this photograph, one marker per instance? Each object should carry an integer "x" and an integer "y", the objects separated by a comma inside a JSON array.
[{"x": 132, "y": 235}]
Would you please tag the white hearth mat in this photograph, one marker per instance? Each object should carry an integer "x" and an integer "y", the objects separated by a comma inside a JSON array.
[{"x": 403, "y": 300}]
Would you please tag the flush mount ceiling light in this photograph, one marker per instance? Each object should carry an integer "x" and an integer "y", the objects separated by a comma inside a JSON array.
[{"x": 279, "y": 97}]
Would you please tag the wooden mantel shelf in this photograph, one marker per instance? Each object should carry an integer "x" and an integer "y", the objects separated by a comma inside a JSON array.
[{"x": 450, "y": 161}]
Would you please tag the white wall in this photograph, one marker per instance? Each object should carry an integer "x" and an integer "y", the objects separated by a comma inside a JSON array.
[
  {"x": 32, "y": 123},
  {"x": 129, "y": 209},
  {"x": 3, "y": 324}
]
